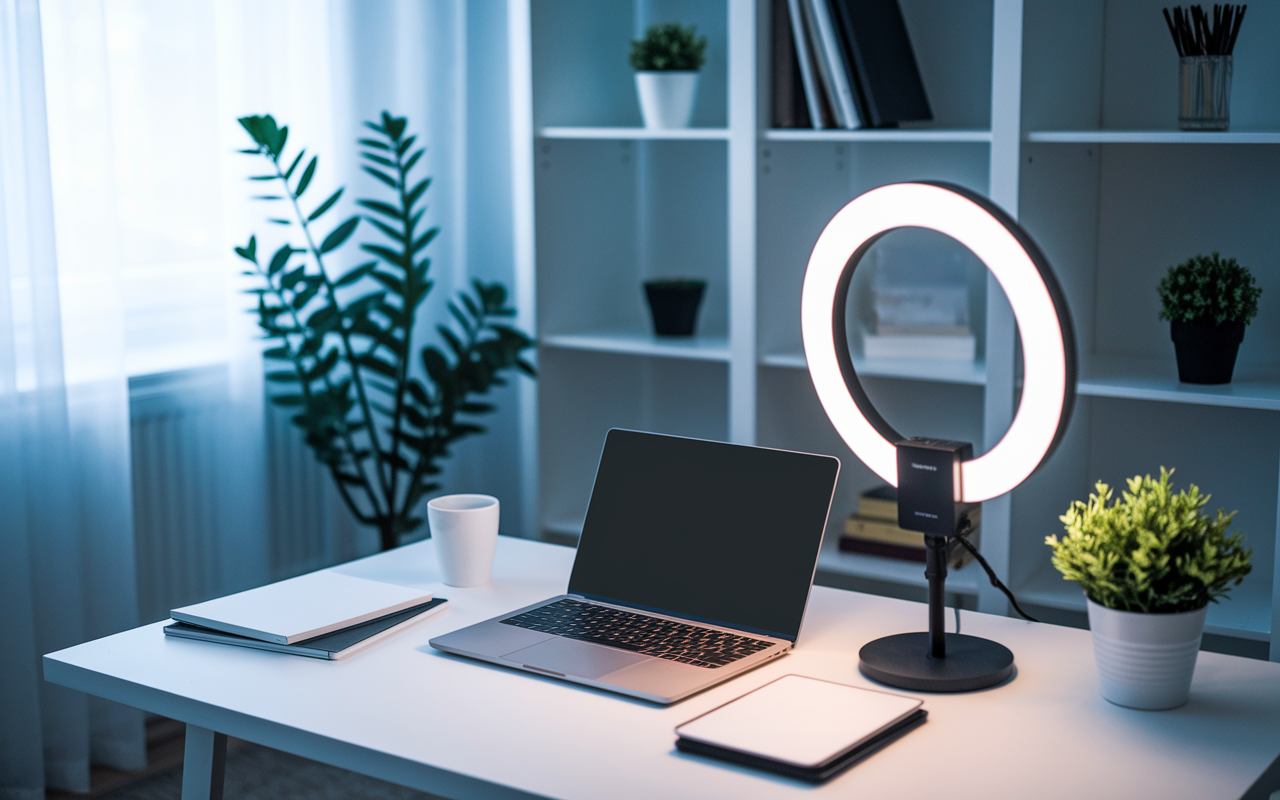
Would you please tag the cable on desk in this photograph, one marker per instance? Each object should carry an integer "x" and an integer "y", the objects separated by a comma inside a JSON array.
[{"x": 963, "y": 536}]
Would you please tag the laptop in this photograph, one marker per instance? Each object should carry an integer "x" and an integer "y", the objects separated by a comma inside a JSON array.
[{"x": 694, "y": 565}]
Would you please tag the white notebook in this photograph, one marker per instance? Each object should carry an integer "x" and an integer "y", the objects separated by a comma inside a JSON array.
[
  {"x": 801, "y": 721},
  {"x": 300, "y": 608}
]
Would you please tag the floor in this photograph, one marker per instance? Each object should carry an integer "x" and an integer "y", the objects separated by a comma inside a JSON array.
[{"x": 253, "y": 773}]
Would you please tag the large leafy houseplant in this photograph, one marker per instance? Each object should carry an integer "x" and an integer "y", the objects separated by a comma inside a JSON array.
[
  {"x": 344, "y": 341},
  {"x": 1151, "y": 551}
]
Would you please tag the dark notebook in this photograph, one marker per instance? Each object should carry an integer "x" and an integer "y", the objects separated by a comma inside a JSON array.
[
  {"x": 789, "y": 107},
  {"x": 817, "y": 774},
  {"x": 879, "y": 53},
  {"x": 332, "y": 646},
  {"x": 801, "y": 727}
]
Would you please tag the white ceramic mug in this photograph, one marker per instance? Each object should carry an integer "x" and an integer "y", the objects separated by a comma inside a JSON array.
[{"x": 465, "y": 530}]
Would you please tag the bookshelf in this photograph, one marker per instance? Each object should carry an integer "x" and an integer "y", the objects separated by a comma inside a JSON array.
[{"x": 1064, "y": 114}]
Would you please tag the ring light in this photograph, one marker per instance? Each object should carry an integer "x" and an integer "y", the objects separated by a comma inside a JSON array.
[
  {"x": 1047, "y": 341},
  {"x": 938, "y": 481}
]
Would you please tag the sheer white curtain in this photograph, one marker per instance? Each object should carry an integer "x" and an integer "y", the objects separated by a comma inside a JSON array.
[{"x": 121, "y": 197}]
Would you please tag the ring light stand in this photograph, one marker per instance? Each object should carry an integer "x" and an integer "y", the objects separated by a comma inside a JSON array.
[{"x": 940, "y": 482}]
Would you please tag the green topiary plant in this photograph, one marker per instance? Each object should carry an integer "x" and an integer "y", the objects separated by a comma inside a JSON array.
[
  {"x": 1208, "y": 290},
  {"x": 379, "y": 422},
  {"x": 1152, "y": 551},
  {"x": 669, "y": 47}
]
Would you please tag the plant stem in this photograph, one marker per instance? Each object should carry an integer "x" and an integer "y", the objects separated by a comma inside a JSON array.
[{"x": 345, "y": 335}]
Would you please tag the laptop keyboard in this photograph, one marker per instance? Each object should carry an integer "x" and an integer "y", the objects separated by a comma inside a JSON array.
[{"x": 639, "y": 633}]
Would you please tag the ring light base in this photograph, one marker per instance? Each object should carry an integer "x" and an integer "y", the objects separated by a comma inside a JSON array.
[{"x": 902, "y": 661}]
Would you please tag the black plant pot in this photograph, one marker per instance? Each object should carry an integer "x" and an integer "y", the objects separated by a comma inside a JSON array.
[
  {"x": 674, "y": 305},
  {"x": 1206, "y": 353}
]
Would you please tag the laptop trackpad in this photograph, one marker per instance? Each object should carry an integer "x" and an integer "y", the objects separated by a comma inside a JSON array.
[{"x": 570, "y": 657}]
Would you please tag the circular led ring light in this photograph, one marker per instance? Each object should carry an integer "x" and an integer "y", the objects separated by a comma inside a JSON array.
[{"x": 1048, "y": 343}]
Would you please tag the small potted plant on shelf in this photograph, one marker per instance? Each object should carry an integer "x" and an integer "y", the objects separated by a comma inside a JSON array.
[
  {"x": 1149, "y": 565},
  {"x": 667, "y": 61},
  {"x": 673, "y": 303},
  {"x": 1208, "y": 300}
]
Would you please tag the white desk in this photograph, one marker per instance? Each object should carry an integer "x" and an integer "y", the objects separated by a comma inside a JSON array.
[{"x": 408, "y": 714}]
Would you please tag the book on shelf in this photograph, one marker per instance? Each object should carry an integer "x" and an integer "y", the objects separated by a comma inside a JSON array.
[
  {"x": 851, "y": 59},
  {"x": 333, "y": 646},
  {"x": 290, "y": 611},
  {"x": 882, "y": 62},
  {"x": 834, "y": 71},
  {"x": 790, "y": 107},
  {"x": 873, "y": 530},
  {"x": 920, "y": 299},
  {"x": 819, "y": 109}
]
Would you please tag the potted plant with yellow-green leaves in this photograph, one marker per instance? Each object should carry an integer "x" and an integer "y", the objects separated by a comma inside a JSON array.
[
  {"x": 1149, "y": 564},
  {"x": 1208, "y": 301},
  {"x": 667, "y": 61}
]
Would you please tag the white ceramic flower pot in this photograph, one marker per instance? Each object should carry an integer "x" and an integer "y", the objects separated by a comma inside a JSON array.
[
  {"x": 1145, "y": 660},
  {"x": 666, "y": 98}
]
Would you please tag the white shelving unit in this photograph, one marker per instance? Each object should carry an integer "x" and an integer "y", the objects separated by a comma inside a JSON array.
[{"x": 1063, "y": 114}]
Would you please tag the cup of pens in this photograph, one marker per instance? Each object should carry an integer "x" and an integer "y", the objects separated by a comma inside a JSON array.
[{"x": 1204, "y": 43}]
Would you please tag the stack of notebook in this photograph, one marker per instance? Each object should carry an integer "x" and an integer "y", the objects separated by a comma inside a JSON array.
[
  {"x": 873, "y": 530},
  {"x": 324, "y": 614}
]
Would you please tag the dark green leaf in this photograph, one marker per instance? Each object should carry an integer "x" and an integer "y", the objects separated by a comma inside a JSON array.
[
  {"x": 405, "y": 145},
  {"x": 250, "y": 251},
  {"x": 412, "y": 196},
  {"x": 325, "y": 206},
  {"x": 291, "y": 278},
  {"x": 339, "y": 235},
  {"x": 266, "y": 197},
  {"x": 305, "y": 180},
  {"x": 391, "y": 232},
  {"x": 377, "y": 159},
  {"x": 303, "y": 297},
  {"x": 461, "y": 318},
  {"x": 324, "y": 366},
  {"x": 288, "y": 400},
  {"x": 423, "y": 240},
  {"x": 386, "y": 254},
  {"x": 454, "y": 344},
  {"x": 413, "y": 159},
  {"x": 377, "y": 365},
  {"x": 283, "y": 376},
  {"x": 355, "y": 274},
  {"x": 280, "y": 258},
  {"x": 477, "y": 408},
  {"x": 373, "y": 143},
  {"x": 297, "y": 160},
  {"x": 278, "y": 221},
  {"x": 436, "y": 366},
  {"x": 385, "y": 209},
  {"x": 349, "y": 478},
  {"x": 419, "y": 392},
  {"x": 382, "y": 176},
  {"x": 278, "y": 353},
  {"x": 390, "y": 281}
]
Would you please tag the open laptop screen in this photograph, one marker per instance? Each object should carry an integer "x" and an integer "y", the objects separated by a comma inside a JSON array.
[{"x": 724, "y": 533}]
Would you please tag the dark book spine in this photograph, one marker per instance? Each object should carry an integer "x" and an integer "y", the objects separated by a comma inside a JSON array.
[
  {"x": 789, "y": 107},
  {"x": 882, "y": 58},
  {"x": 846, "y": 46}
]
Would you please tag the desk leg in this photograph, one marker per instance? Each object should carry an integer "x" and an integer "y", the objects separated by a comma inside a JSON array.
[{"x": 203, "y": 764}]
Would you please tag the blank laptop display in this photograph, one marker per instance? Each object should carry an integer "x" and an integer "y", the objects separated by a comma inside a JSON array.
[
  {"x": 718, "y": 532},
  {"x": 713, "y": 545}
]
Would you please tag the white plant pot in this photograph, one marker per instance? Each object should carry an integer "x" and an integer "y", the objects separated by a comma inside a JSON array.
[
  {"x": 1145, "y": 660},
  {"x": 666, "y": 98}
]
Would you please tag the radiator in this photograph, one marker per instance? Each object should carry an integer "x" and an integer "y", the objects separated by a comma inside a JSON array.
[{"x": 177, "y": 426}]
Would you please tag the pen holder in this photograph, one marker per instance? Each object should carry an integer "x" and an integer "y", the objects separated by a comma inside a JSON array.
[{"x": 1204, "y": 93}]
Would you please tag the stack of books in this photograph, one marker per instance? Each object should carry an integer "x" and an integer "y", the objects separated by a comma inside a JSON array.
[
  {"x": 324, "y": 614},
  {"x": 921, "y": 298},
  {"x": 844, "y": 64},
  {"x": 874, "y": 530}
]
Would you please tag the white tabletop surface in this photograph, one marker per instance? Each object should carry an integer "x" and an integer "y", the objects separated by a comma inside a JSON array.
[{"x": 458, "y": 728}]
